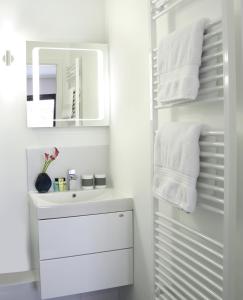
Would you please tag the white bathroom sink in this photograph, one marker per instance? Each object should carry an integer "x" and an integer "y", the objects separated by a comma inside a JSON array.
[{"x": 77, "y": 203}]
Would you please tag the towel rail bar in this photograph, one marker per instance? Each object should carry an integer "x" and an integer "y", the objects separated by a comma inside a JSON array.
[
  {"x": 212, "y": 78},
  {"x": 191, "y": 240},
  {"x": 210, "y": 187},
  {"x": 169, "y": 105},
  {"x": 191, "y": 268},
  {"x": 175, "y": 283},
  {"x": 190, "y": 258},
  {"x": 214, "y": 133},
  {"x": 213, "y": 45},
  {"x": 203, "y": 236},
  {"x": 166, "y": 291},
  {"x": 166, "y": 10},
  {"x": 212, "y": 209},
  {"x": 212, "y": 155},
  {"x": 189, "y": 248},
  {"x": 216, "y": 67},
  {"x": 211, "y": 166},
  {"x": 163, "y": 297},
  {"x": 165, "y": 294},
  {"x": 211, "y": 144},
  {"x": 181, "y": 279},
  {"x": 186, "y": 274},
  {"x": 212, "y": 34},
  {"x": 207, "y": 58},
  {"x": 211, "y": 198},
  {"x": 203, "y": 91},
  {"x": 215, "y": 23},
  {"x": 211, "y": 176}
]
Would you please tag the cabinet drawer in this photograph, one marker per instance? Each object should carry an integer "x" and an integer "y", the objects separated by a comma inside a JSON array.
[
  {"x": 86, "y": 273},
  {"x": 85, "y": 234}
]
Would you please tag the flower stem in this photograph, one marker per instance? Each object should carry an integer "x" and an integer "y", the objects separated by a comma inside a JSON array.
[
  {"x": 43, "y": 169},
  {"x": 46, "y": 165}
]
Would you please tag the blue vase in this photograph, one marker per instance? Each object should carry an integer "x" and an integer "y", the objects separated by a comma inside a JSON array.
[{"x": 43, "y": 183}]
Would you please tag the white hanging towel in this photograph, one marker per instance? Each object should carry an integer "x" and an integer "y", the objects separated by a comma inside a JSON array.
[
  {"x": 177, "y": 164},
  {"x": 179, "y": 59}
]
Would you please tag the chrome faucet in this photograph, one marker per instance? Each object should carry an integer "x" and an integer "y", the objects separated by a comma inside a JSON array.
[{"x": 72, "y": 180}]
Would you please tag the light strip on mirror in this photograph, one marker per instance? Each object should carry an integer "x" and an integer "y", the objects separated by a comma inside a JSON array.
[
  {"x": 36, "y": 72},
  {"x": 77, "y": 92},
  {"x": 101, "y": 89}
]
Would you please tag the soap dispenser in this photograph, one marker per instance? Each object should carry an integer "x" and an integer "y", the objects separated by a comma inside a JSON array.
[{"x": 72, "y": 180}]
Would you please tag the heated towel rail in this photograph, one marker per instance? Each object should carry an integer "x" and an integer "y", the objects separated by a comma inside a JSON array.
[{"x": 190, "y": 264}]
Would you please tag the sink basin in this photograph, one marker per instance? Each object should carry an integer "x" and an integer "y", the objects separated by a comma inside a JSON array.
[{"x": 78, "y": 203}]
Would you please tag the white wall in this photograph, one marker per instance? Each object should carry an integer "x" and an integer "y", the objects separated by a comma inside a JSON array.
[
  {"x": 21, "y": 20},
  {"x": 47, "y": 86},
  {"x": 130, "y": 127}
]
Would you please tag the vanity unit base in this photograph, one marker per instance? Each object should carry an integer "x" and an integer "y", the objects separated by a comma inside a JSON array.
[{"x": 88, "y": 250}]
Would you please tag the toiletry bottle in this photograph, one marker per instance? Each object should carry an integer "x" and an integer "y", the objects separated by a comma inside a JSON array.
[
  {"x": 64, "y": 184},
  {"x": 87, "y": 182},
  {"x": 72, "y": 180},
  {"x": 100, "y": 181},
  {"x": 56, "y": 185},
  {"x": 61, "y": 184}
]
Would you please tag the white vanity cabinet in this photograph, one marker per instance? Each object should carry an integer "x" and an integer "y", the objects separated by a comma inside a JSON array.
[{"x": 84, "y": 253}]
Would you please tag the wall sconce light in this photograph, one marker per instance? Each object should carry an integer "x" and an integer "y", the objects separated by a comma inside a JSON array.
[{"x": 8, "y": 58}]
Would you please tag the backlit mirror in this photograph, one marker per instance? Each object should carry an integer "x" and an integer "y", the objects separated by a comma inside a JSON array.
[{"x": 67, "y": 85}]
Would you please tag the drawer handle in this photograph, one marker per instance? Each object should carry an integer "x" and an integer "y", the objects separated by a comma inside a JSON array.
[{"x": 121, "y": 215}]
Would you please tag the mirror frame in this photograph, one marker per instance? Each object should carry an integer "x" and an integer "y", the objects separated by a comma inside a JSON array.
[{"x": 32, "y": 58}]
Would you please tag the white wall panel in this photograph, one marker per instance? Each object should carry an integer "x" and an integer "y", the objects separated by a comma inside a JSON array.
[
  {"x": 21, "y": 20},
  {"x": 130, "y": 128}
]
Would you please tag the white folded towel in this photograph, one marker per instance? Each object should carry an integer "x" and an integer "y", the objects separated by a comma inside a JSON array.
[
  {"x": 179, "y": 59},
  {"x": 177, "y": 164}
]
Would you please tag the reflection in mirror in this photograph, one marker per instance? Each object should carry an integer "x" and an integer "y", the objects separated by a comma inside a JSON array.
[
  {"x": 67, "y": 86},
  {"x": 48, "y": 91}
]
